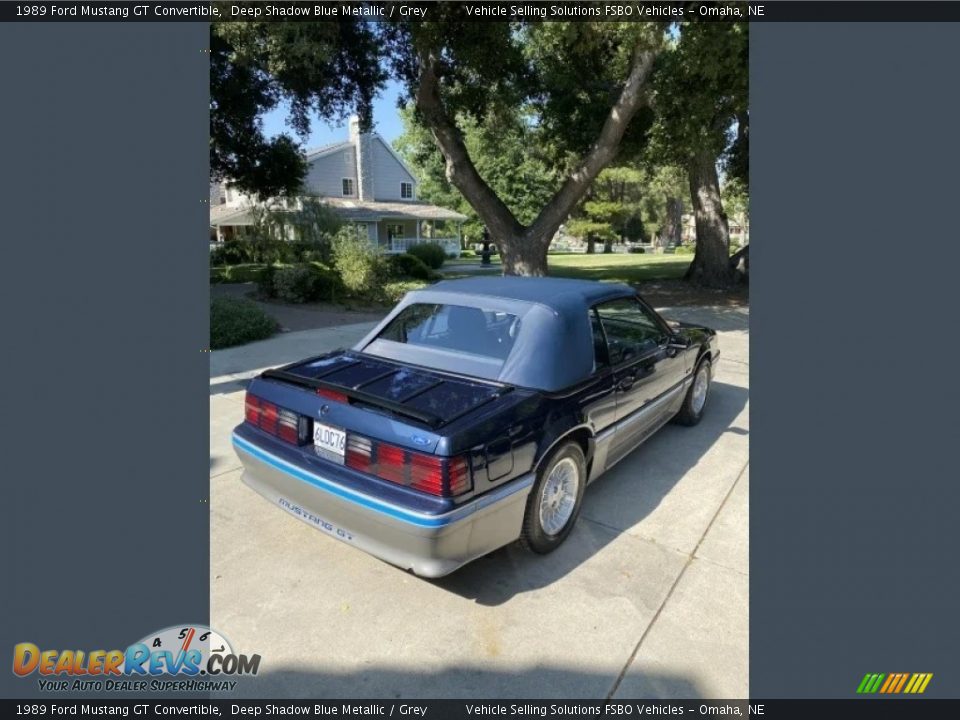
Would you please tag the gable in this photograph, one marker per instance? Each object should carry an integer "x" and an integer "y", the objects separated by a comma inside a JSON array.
[
  {"x": 326, "y": 172},
  {"x": 388, "y": 172}
]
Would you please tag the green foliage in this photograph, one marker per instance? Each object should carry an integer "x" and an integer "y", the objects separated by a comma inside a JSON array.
[
  {"x": 505, "y": 150},
  {"x": 684, "y": 250},
  {"x": 637, "y": 250},
  {"x": 392, "y": 292},
  {"x": 587, "y": 229},
  {"x": 298, "y": 230},
  {"x": 296, "y": 284},
  {"x": 265, "y": 286},
  {"x": 362, "y": 269},
  {"x": 231, "y": 252},
  {"x": 318, "y": 69},
  {"x": 700, "y": 89},
  {"x": 329, "y": 285},
  {"x": 235, "y": 321},
  {"x": 409, "y": 265},
  {"x": 431, "y": 254}
]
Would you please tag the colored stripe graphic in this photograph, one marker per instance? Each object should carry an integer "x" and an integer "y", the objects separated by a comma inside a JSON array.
[{"x": 894, "y": 683}]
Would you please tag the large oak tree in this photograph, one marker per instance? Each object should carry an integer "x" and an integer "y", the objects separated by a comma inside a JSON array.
[{"x": 584, "y": 90}]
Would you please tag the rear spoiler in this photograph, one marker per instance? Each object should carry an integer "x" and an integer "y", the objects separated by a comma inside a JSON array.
[{"x": 355, "y": 393}]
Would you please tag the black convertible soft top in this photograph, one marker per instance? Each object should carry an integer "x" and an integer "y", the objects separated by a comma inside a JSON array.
[{"x": 553, "y": 349}]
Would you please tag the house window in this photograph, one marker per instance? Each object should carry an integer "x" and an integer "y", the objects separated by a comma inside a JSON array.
[
  {"x": 348, "y": 186},
  {"x": 395, "y": 231},
  {"x": 406, "y": 190}
]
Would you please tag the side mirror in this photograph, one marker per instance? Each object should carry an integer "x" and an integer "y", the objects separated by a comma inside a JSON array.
[{"x": 677, "y": 342}]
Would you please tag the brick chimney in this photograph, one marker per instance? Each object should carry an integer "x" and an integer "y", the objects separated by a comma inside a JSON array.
[{"x": 362, "y": 143}]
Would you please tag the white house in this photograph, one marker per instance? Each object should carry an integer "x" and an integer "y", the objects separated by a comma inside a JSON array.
[{"x": 367, "y": 184}]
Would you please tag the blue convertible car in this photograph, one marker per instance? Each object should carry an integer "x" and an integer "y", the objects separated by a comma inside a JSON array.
[{"x": 473, "y": 415}]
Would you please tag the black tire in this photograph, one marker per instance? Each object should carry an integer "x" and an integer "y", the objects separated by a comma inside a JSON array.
[
  {"x": 534, "y": 536},
  {"x": 689, "y": 414}
]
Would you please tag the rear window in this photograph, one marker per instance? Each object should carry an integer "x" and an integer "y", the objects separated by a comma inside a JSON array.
[{"x": 457, "y": 328}]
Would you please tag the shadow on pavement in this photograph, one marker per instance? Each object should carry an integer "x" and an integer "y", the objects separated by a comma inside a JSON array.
[
  {"x": 475, "y": 683},
  {"x": 672, "y": 452},
  {"x": 722, "y": 319}
]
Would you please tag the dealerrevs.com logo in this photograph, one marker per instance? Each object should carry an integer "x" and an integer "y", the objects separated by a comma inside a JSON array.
[{"x": 178, "y": 658}]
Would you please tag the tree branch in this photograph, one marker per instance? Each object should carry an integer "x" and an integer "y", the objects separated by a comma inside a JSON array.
[
  {"x": 460, "y": 170},
  {"x": 632, "y": 98}
]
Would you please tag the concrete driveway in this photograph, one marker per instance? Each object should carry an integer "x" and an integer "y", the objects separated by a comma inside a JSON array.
[{"x": 648, "y": 598}]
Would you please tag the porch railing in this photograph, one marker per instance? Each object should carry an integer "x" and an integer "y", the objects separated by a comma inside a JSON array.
[{"x": 400, "y": 245}]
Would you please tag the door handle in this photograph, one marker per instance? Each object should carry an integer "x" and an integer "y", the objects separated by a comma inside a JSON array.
[{"x": 627, "y": 382}]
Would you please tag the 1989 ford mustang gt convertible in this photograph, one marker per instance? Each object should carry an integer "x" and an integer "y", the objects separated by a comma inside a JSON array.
[{"x": 474, "y": 415}]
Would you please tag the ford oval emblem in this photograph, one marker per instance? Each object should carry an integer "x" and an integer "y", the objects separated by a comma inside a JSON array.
[
  {"x": 420, "y": 440},
  {"x": 324, "y": 409}
]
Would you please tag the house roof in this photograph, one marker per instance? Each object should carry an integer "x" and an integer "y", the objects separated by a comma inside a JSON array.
[
  {"x": 375, "y": 210},
  {"x": 350, "y": 210},
  {"x": 319, "y": 152},
  {"x": 230, "y": 215}
]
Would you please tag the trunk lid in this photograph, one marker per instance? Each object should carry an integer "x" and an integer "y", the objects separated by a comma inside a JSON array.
[{"x": 417, "y": 402}]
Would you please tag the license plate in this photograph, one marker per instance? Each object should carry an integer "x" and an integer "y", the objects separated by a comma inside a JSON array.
[{"x": 330, "y": 442}]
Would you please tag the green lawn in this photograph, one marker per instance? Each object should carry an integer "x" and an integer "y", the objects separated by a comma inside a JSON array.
[
  {"x": 616, "y": 267},
  {"x": 625, "y": 268}
]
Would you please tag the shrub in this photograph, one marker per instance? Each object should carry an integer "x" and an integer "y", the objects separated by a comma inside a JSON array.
[
  {"x": 431, "y": 254},
  {"x": 362, "y": 269},
  {"x": 684, "y": 250},
  {"x": 407, "y": 265},
  {"x": 235, "y": 321},
  {"x": 304, "y": 252},
  {"x": 328, "y": 284},
  {"x": 637, "y": 249},
  {"x": 468, "y": 254},
  {"x": 393, "y": 292},
  {"x": 231, "y": 252},
  {"x": 265, "y": 286},
  {"x": 295, "y": 284}
]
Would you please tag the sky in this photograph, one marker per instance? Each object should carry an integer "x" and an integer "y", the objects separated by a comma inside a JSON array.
[{"x": 386, "y": 121}]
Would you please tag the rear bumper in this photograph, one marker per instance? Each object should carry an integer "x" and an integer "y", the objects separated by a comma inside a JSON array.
[{"x": 431, "y": 545}]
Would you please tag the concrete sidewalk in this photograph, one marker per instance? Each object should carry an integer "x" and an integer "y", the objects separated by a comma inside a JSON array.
[{"x": 647, "y": 598}]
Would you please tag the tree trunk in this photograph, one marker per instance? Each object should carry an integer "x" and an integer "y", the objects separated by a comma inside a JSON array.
[
  {"x": 522, "y": 256},
  {"x": 607, "y": 246},
  {"x": 591, "y": 245},
  {"x": 673, "y": 225},
  {"x": 711, "y": 263},
  {"x": 524, "y": 249}
]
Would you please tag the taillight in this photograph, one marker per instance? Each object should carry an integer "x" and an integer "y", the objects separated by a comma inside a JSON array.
[
  {"x": 440, "y": 476},
  {"x": 252, "y": 409},
  {"x": 458, "y": 475},
  {"x": 391, "y": 463},
  {"x": 332, "y": 395},
  {"x": 285, "y": 424},
  {"x": 359, "y": 453},
  {"x": 426, "y": 473}
]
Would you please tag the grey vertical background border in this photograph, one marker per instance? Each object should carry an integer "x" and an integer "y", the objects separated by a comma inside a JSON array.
[
  {"x": 854, "y": 528},
  {"x": 104, "y": 295}
]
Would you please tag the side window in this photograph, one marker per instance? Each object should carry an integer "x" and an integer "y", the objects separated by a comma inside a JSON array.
[
  {"x": 600, "y": 358},
  {"x": 630, "y": 329}
]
